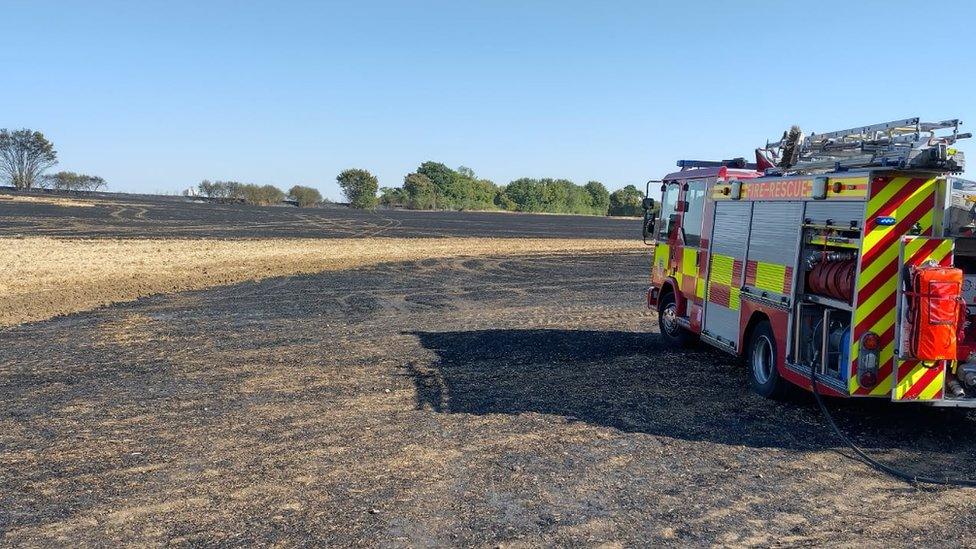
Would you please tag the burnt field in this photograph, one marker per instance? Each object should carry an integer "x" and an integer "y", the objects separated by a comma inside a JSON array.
[
  {"x": 103, "y": 215},
  {"x": 490, "y": 401}
]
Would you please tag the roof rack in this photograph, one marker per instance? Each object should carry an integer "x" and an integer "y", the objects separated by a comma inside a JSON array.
[{"x": 908, "y": 143}]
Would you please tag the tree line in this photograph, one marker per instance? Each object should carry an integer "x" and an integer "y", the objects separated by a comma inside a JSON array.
[
  {"x": 25, "y": 156},
  {"x": 434, "y": 186},
  {"x": 258, "y": 195}
]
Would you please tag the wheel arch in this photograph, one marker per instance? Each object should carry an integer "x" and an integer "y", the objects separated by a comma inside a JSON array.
[
  {"x": 754, "y": 320},
  {"x": 670, "y": 287}
]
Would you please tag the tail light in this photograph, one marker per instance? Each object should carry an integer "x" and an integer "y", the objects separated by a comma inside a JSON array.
[
  {"x": 871, "y": 342},
  {"x": 867, "y": 362}
]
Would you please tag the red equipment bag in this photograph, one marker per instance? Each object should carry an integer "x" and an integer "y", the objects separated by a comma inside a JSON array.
[{"x": 934, "y": 299}]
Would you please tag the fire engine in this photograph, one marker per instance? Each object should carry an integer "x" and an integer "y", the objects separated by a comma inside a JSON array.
[{"x": 836, "y": 255}]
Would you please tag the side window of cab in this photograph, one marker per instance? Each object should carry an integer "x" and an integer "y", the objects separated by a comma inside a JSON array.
[
  {"x": 669, "y": 212},
  {"x": 694, "y": 212}
]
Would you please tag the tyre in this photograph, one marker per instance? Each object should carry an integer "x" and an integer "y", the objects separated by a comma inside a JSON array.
[
  {"x": 761, "y": 360},
  {"x": 667, "y": 321}
]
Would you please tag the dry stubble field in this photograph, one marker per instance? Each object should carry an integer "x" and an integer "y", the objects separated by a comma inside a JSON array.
[{"x": 496, "y": 399}]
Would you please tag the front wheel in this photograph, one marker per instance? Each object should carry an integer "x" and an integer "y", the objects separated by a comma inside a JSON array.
[
  {"x": 761, "y": 358},
  {"x": 667, "y": 320}
]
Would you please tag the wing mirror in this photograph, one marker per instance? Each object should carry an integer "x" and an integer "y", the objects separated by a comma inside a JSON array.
[{"x": 649, "y": 219}]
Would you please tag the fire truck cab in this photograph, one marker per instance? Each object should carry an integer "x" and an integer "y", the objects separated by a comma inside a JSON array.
[{"x": 832, "y": 255}]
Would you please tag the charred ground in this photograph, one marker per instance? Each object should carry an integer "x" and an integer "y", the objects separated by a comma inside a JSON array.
[
  {"x": 441, "y": 402},
  {"x": 139, "y": 216}
]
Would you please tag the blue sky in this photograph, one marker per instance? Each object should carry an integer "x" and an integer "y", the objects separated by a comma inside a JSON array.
[{"x": 155, "y": 96}]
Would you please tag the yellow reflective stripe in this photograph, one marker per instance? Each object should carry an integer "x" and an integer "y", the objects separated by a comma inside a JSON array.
[
  {"x": 937, "y": 383},
  {"x": 722, "y": 269},
  {"x": 884, "y": 195},
  {"x": 823, "y": 241},
  {"x": 689, "y": 261},
  {"x": 913, "y": 246},
  {"x": 661, "y": 254},
  {"x": 941, "y": 251},
  {"x": 720, "y": 274},
  {"x": 906, "y": 383},
  {"x": 883, "y": 387},
  {"x": 700, "y": 288},
  {"x": 872, "y": 239},
  {"x": 770, "y": 276}
]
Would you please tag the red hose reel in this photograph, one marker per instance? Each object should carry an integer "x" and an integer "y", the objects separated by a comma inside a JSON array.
[{"x": 833, "y": 279}]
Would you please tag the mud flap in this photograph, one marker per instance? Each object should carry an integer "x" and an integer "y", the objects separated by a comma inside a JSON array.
[{"x": 917, "y": 380}]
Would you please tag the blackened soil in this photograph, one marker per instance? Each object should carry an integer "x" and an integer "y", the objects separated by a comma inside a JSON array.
[
  {"x": 450, "y": 402},
  {"x": 140, "y": 216}
]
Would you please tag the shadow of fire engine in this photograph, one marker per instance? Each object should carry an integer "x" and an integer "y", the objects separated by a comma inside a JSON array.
[{"x": 634, "y": 383}]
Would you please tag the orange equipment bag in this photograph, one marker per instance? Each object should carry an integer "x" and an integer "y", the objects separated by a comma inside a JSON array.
[{"x": 934, "y": 300}]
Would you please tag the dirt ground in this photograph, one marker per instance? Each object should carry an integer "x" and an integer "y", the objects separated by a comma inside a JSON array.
[
  {"x": 45, "y": 277},
  {"x": 493, "y": 401}
]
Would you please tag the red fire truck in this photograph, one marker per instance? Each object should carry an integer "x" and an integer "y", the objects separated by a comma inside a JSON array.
[{"x": 833, "y": 255}]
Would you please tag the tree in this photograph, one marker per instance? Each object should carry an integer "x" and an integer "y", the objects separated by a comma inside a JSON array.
[
  {"x": 526, "y": 194},
  {"x": 392, "y": 197},
  {"x": 211, "y": 189},
  {"x": 599, "y": 197},
  {"x": 626, "y": 201},
  {"x": 24, "y": 157},
  {"x": 305, "y": 196},
  {"x": 421, "y": 194},
  {"x": 221, "y": 189},
  {"x": 71, "y": 181},
  {"x": 359, "y": 186},
  {"x": 445, "y": 181}
]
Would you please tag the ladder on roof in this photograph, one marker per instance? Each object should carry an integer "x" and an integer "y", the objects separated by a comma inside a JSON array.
[{"x": 908, "y": 143}]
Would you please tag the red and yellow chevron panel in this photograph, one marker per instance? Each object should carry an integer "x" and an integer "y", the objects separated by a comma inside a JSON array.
[
  {"x": 919, "y": 381},
  {"x": 912, "y": 203}
]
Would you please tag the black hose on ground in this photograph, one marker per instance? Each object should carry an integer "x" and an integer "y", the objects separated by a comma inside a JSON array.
[{"x": 897, "y": 473}]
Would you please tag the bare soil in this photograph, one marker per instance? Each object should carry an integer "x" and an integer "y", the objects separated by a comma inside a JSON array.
[
  {"x": 45, "y": 277},
  {"x": 491, "y": 401}
]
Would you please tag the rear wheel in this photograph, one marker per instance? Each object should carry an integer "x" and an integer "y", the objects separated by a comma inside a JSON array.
[
  {"x": 667, "y": 320},
  {"x": 761, "y": 359}
]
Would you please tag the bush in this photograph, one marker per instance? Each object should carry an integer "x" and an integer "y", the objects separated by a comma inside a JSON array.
[
  {"x": 305, "y": 196},
  {"x": 220, "y": 189},
  {"x": 261, "y": 195},
  {"x": 359, "y": 186},
  {"x": 71, "y": 181},
  {"x": 258, "y": 195}
]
